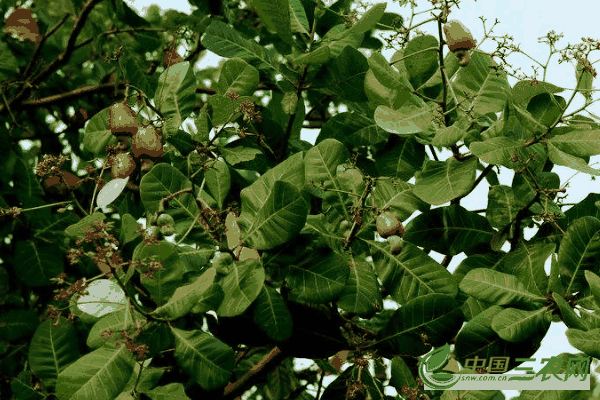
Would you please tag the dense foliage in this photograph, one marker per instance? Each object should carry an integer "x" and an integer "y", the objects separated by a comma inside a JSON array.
[{"x": 258, "y": 247}]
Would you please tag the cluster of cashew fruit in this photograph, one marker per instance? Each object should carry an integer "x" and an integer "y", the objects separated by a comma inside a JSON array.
[
  {"x": 390, "y": 227},
  {"x": 145, "y": 140}
]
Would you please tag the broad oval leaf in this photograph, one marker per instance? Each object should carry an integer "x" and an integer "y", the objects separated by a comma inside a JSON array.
[
  {"x": 588, "y": 342},
  {"x": 187, "y": 297},
  {"x": 448, "y": 230},
  {"x": 514, "y": 325},
  {"x": 111, "y": 191},
  {"x": 275, "y": 221},
  {"x": 176, "y": 95},
  {"x": 272, "y": 315},
  {"x": 410, "y": 274},
  {"x": 237, "y": 76},
  {"x": 320, "y": 278},
  {"x": 52, "y": 349},
  {"x": 361, "y": 294},
  {"x": 164, "y": 180},
  {"x": 432, "y": 318},
  {"x": 241, "y": 286},
  {"x": 101, "y": 374},
  {"x": 207, "y": 360},
  {"x": 442, "y": 181},
  {"x": 497, "y": 288},
  {"x": 579, "y": 250}
]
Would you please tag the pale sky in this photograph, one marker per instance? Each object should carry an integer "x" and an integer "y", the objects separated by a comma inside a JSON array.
[{"x": 525, "y": 21}]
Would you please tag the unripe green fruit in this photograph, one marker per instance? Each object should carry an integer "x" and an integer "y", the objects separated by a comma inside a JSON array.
[
  {"x": 122, "y": 119},
  {"x": 345, "y": 224},
  {"x": 167, "y": 230},
  {"x": 166, "y": 224},
  {"x": 153, "y": 232},
  {"x": 463, "y": 57},
  {"x": 146, "y": 143},
  {"x": 458, "y": 37},
  {"x": 395, "y": 244},
  {"x": 388, "y": 224},
  {"x": 165, "y": 219},
  {"x": 123, "y": 165}
]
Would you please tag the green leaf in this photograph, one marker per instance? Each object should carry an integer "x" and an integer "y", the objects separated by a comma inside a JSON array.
[
  {"x": 436, "y": 317},
  {"x": 104, "y": 331},
  {"x": 352, "y": 129},
  {"x": 298, "y": 20},
  {"x": 52, "y": 349},
  {"x": 276, "y": 16},
  {"x": 17, "y": 324},
  {"x": 133, "y": 72},
  {"x": 546, "y": 108},
  {"x": 497, "y": 288},
  {"x": 272, "y": 315},
  {"x": 420, "y": 63},
  {"x": 276, "y": 220},
  {"x": 161, "y": 283},
  {"x": 101, "y": 374},
  {"x": 97, "y": 135},
  {"x": 237, "y": 76},
  {"x": 561, "y": 158},
  {"x": 79, "y": 229},
  {"x": 176, "y": 95},
  {"x": 37, "y": 262},
  {"x": 224, "y": 109},
  {"x": 238, "y": 156},
  {"x": 203, "y": 357},
  {"x": 448, "y": 230},
  {"x": 318, "y": 56},
  {"x": 321, "y": 165},
  {"x": 401, "y": 375},
  {"x": 410, "y": 274},
  {"x": 478, "y": 339},
  {"x": 442, "y": 181},
  {"x": 496, "y": 150},
  {"x": 187, "y": 297},
  {"x": 579, "y": 143},
  {"x": 164, "y": 180},
  {"x": 338, "y": 38},
  {"x": 385, "y": 74},
  {"x": 527, "y": 264},
  {"x": 346, "y": 75},
  {"x": 584, "y": 77},
  {"x": 401, "y": 158},
  {"x": 241, "y": 287},
  {"x": 579, "y": 251},
  {"x": 227, "y": 42},
  {"x": 569, "y": 316},
  {"x": 594, "y": 282},
  {"x": 514, "y": 325},
  {"x": 366, "y": 22},
  {"x": 361, "y": 294},
  {"x": 588, "y": 342},
  {"x": 485, "y": 84},
  {"x": 398, "y": 197},
  {"x": 406, "y": 121},
  {"x": 319, "y": 278},
  {"x": 526, "y": 89},
  {"x": 218, "y": 181}
]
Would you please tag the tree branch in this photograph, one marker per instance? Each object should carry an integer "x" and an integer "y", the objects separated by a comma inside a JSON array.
[{"x": 271, "y": 359}]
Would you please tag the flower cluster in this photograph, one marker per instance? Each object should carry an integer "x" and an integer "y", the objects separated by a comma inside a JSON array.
[{"x": 50, "y": 165}]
